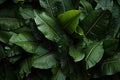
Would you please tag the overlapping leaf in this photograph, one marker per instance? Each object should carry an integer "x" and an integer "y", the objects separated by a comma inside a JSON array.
[
  {"x": 69, "y": 20},
  {"x": 47, "y": 26},
  {"x": 94, "y": 53},
  {"x": 26, "y": 41},
  {"x": 55, "y": 7},
  {"x": 95, "y": 24},
  {"x": 58, "y": 74},
  {"x": 111, "y": 65},
  {"x": 5, "y": 36},
  {"x": 26, "y": 13},
  {"x": 9, "y": 21},
  {"x": 113, "y": 30},
  {"x": 77, "y": 52},
  {"x": 44, "y": 61},
  {"x": 104, "y": 4}
]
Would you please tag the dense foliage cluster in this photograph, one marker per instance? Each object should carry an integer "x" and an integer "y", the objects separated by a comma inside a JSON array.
[{"x": 59, "y": 39}]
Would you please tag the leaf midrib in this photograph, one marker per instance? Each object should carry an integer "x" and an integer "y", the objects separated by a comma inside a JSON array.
[
  {"x": 71, "y": 20},
  {"x": 108, "y": 62},
  {"x": 91, "y": 51},
  {"x": 52, "y": 29},
  {"x": 93, "y": 25}
]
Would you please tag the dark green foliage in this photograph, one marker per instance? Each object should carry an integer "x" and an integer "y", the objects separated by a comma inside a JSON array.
[{"x": 59, "y": 39}]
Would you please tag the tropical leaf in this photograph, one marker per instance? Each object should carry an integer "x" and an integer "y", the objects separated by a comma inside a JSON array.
[
  {"x": 110, "y": 47},
  {"x": 113, "y": 30},
  {"x": 94, "y": 53},
  {"x": 69, "y": 20},
  {"x": 95, "y": 24},
  {"x": 79, "y": 33},
  {"x": 47, "y": 26},
  {"x": 26, "y": 13},
  {"x": 55, "y": 7},
  {"x": 5, "y": 36},
  {"x": 111, "y": 65},
  {"x": 26, "y": 41},
  {"x": 76, "y": 52},
  {"x": 10, "y": 23},
  {"x": 87, "y": 6},
  {"x": 104, "y": 4},
  {"x": 58, "y": 75},
  {"x": 44, "y": 61}
]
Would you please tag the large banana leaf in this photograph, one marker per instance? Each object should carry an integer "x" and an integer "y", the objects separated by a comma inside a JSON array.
[
  {"x": 113, "y": 30},
  {"x": 10, "y": 23},
  {"x": 95, "y": 24},
  {"x": 26, "y": 13},
  {"x": 94, "y": 53},
  {"x": 8, "y": 18},
  {"x": 47, "y": 26},
  {"x": 111, "y": 65},
  {"x": 44, "y": 61},
  {"x": 69, "y": 20},
  {"x": 26, "y": 41},
  {"x": 55, "y": 7}
]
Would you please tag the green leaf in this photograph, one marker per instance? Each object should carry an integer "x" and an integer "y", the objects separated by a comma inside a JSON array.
[
  {"x": 110, "y": 46},
  {"x": 26, "y": 41},
  {"x": 86, "y": 5},
  {"x": 95, "y": 24},
  {"x": 25, "y": 67},
  {"x": 76, "y": 52},
  {"x": 47, "y": 26},
  {"x": 79, "y": 33},
  {"x": 111, "y": 65},
  {"x": 10, "y": 23},
  {"x": 104, "y": 4},
  {"x": 69, "y": 20},
  {"x": 5, "y": 36},
  {"x": 55, "y": 7},
  {"x": 26, "y": 13},
  {"x": 114, "y": 26},
  {"x": 44, "y": 61},
  {"x": 94, "y": 53},
  {"x": 58, "y": 75}
]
